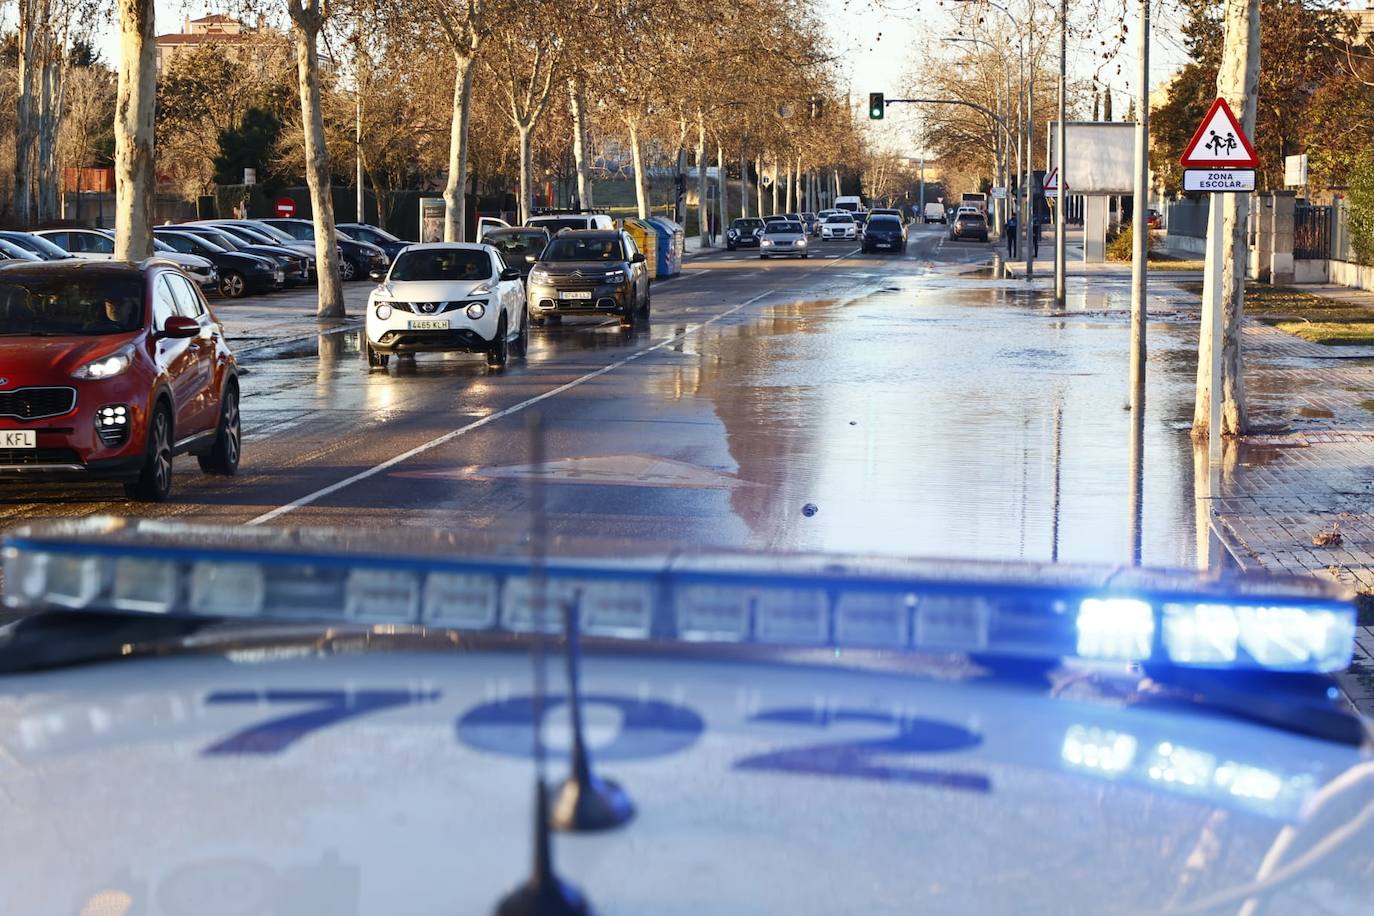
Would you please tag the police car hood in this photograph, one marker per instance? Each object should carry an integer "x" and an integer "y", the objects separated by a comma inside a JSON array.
[{"x": 271, "y": 781}]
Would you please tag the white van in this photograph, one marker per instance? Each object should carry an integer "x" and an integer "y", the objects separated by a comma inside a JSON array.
[
  {"x": 852, "y": 203},
  {"x": 934, "y": 213},
  {"x": 555, "y": 222}
]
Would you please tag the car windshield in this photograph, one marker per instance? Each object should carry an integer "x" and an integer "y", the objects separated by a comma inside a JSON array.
[
  {"x": 578, "y": 248},
  {"x": 556, "y": 224},
  {"x": 371, "y": 233},
  {"x": 517, "y": 243},
  {"x": 748, "y": 224},
  {"x": 890, "y": 222},
  {"x": 970, "y": 218},
  {"x": 39, "y": 244},
  {"x": 442, "y": 264},
  {"x": 66, "y": 305},
  {"x": 783, "y": 228},
  {"x": 839, "y": 218}
]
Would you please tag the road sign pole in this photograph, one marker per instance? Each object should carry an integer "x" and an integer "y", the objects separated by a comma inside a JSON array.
[
  {"x": 1212, "y": 309},
  {"x": 1061, "y": 198},
  {"x": 1140, "y": 234},
  {"x": 1028, "y": 217}
]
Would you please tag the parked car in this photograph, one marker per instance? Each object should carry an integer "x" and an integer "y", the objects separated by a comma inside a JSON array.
[
  {"x": 519, "y": 246},
  {"x": 489, "y": 224},
  {"x": 373, "y": 235},
  {"x": 357, "y": 259},
  {"x": 447, "y": 297},
  {"x": 12, "y": 251},
  {"x": 110, "y": 370},
  {"x": 744, "y": 232},
  {"x": 555, "y": 223},
  {"x": 783, "y": 239},
  {"x": 297, "y": 267},
  {"x": 37, "y": 244},
  {"x": 884, "y": 232},
  {"x": 260, "y": 232},
  {"x": 98, "y": 245},
  {"x": 589, "y": 271},
  {"x": 839, "y": 226},
  {"x": 969, "y": 224},
  {"x": 240, "y": 274}
]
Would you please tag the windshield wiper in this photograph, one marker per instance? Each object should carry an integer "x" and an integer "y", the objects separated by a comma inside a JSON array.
[{"x": 64, "y": 639}]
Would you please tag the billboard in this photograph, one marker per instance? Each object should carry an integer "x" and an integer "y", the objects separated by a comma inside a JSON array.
[{"x": 1099, "y": 156}]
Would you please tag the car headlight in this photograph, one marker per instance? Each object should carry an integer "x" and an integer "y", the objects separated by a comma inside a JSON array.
[
  {"x": 766, "y": 242},
  {"x": 539, "y": 276},
  {"x": 476, "y": 310},
  {"x": 616, "y": 276},
  {"x": 383, "y": 310},
  {"x": 106, "y": 366},
  {"x": 481, "y": 289},
  {"x": 732, "y": 233},
  {"x": 801, "y": 242},
  {"x": 264, "y": 268}
]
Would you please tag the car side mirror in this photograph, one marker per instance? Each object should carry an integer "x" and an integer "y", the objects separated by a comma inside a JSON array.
[
  {"x": 179, "y": 327},
  {"x": 638, "y": 258},
  {"x": 511, "y": 273},
  {"x": 376, "y": 275}
]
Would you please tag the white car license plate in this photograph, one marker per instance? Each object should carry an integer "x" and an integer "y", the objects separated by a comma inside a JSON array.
[
  {"x": 440, "y": 324},
  {"x": 18, "y": 438},
  {"x": 884, "y": 244},
  {"x": 575, "y": 294}
]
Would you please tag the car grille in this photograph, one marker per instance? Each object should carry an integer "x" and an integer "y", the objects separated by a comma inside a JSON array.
[
  {"x": 36, "y": 403},
  {"x": 579, "y": 279},
  {"x": 427, "y": 308},
  {"x": 36, "y": 456}
]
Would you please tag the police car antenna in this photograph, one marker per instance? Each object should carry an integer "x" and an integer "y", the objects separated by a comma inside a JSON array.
[{"x": 543, "y": 893}]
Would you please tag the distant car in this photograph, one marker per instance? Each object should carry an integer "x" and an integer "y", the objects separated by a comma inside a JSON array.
[
  {"x": 365, "y": 232},
  {"x": 37, "y": 244},
  {"x": 519, "y": 246},
  {"x": 1154, "y": 219},
  {"x": 297, "y": 267},
  {"x": 358, "y": 259},
  {"x": 820, "y": 218},
  {"x": 775, "y": 218},
  {"x": 744, "y": 233},
  {"x": 809, "y": 221},
  {"x": 861, "y": 219},
  {"x": 839, "y": 226},
  {"x": 589, "y": 271},
  {"x": 446, "y": 297},
  {"x": 554, "y": 223},
  {"x": 111, "y": 369},
  {"x": 884, "y": 232},
  {"x": 888, "y": 211},
  {"x": 934, "y": 213},
  {"x": 969, "y": 225},
  {"x": 240, "y": 274},
  {"x": 257, "y": 231},
  {"x": 488, "y": 224},
  {"x": 98, "y": 245},
  {"x": 783, "y": 239}
]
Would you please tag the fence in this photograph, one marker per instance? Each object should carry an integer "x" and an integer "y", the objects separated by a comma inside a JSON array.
[
  {"x": 1312, "y": 233},
  {"x": 1188, "y": 217}
]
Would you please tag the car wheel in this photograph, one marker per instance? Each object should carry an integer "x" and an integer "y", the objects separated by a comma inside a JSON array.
[
  {"x": 521, "y": 345},
  {"x": 375, "y": 360},
  {"x": 644, "y": 306},
  {"x": 347, "y": 269},
  {"x": 154, "y": 481},
  {"x": 499, "y": 349},
  {"x": 223, "y": 457},
  {"x": 627, "y": 318},
  {"x": 232, "y": 285}
]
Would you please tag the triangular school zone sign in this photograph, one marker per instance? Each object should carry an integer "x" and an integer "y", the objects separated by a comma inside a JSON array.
[
  {"x": 1219, "y": 142},
  {"x": 1052, "y": 181}
]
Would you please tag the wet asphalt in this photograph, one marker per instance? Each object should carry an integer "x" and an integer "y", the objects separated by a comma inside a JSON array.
[{"x": 916, "y": 406}]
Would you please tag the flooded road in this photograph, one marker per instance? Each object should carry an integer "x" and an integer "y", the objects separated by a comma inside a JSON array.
[{"x": 915, "y": 404}]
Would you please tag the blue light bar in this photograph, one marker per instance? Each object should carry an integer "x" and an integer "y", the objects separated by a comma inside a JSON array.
[{"x": 435, "y": 579}]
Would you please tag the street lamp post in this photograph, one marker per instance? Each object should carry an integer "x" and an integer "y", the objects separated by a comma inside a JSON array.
[
  {"x": 1061, "y": 196},
  {"x": 1002, "y": 102}
]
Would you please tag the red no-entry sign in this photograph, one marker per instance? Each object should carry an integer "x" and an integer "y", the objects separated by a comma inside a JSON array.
[{"x": 286, "y": 207}]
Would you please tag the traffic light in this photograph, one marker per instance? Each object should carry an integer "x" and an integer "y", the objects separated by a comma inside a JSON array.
[{"x": 876, "y": 106}]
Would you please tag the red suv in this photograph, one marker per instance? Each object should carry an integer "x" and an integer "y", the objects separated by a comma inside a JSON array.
[{"x": 110, "y": 369}]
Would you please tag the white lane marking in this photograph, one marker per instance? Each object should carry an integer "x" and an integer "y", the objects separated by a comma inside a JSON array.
[{"x": 492, "y": 418}]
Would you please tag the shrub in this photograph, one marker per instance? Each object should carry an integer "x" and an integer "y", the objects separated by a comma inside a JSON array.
[
  {"x": 1361, "y": 215},
  {"x": 1121, "y": 247}
]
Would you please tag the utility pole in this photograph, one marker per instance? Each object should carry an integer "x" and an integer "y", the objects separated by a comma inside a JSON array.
[
  {"x": 1140, "y": 232},
  {"x": 1028, "y": 215},
  {"x": 1062, "y": 195}
]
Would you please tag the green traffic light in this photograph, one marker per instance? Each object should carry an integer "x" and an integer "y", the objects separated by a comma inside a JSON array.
[{"x": 876, "y": 106}]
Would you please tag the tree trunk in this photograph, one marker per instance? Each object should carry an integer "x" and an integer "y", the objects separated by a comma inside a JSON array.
[
  {"x": 525, "y": 132},
  {"x": 774, "y": 187},
  {"x": 758, "y": 182},
  {"x": 578, "y": 107},
  {"x": 50, "y": 116},
  {"x": 743, "y": 182},
  {"x": 455, "y": 189},
  {"x": 703, "y": 205},
  {"x": 680, "y": 182},
  {"x": 789, "y": 187},
  {"x": 641, "y": 181},
  {"x": 1238, "y": 82},
  {"x": 722, "y": 189},
  {"x": 25, "y": 125},
  {"x": 135, "y": 98},
  {"x": 305, "y": 32}
]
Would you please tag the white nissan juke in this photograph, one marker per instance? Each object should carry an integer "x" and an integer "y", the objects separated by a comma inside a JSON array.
[{"x": 445, "y": 297}]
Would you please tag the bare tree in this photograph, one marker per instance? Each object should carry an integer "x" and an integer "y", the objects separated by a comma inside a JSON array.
[
  {"x": 135, "y": 99},
  {"x": 464, "y": 26},
  {"x": 528, "y": 50},
  {"x": 31, "y": 14},
  {"x": 307, "y": 19}
]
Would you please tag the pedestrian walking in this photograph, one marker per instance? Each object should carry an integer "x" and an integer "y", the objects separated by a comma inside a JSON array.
[
  {"x": 1035, "y": 237},
  {"x": 1010, "y": 231}
]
